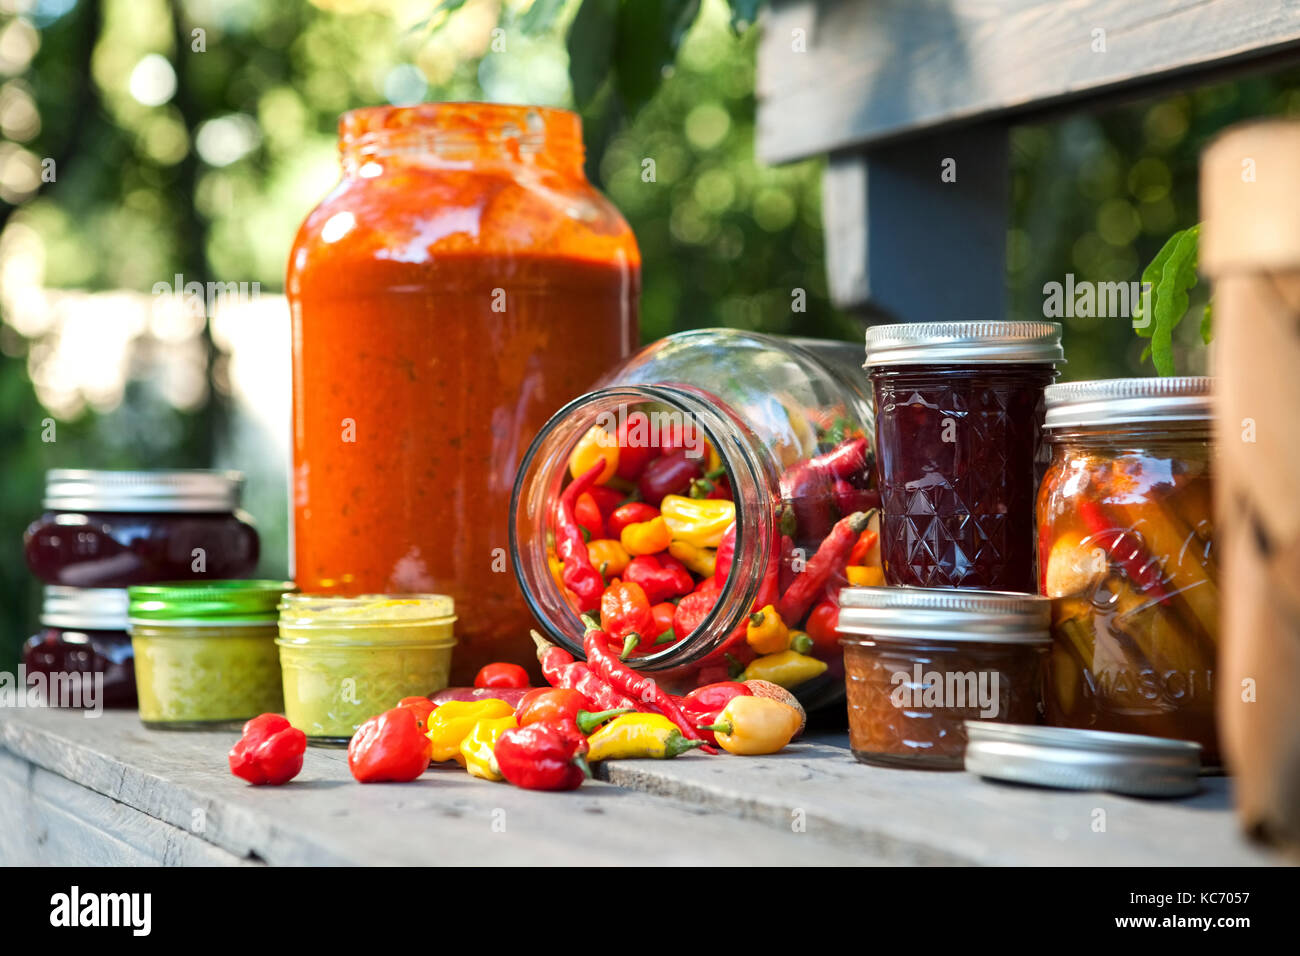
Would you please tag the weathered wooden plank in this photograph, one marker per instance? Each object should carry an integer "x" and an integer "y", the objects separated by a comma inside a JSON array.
[
  {"x": 49, "y": 819},
  {"x": 448, "y": 817},
  {"x": 896, "y": 214},
  {"x": 839, "y": 73}
]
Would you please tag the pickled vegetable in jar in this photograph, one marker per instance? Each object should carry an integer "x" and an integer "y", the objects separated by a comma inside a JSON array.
[
  {"x": 1126, "y": 551},
  {"x": 707, "y": 501},
  {"x": 959, "y": 410},
  {"x": 461, "y": 282}
]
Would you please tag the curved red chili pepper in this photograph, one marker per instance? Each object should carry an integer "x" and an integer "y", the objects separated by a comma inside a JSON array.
[{"x": 578, "y": 574}]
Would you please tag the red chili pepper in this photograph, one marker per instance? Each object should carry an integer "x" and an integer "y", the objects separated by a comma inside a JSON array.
[
  {"x": 635, "y": 449},
  {"x": 389, "y": 747},
  {"x": 563, "y": 703},
  {"x": 726, "y": 553},
  {"x": 692, "y": 610},
  {"x": 543, "y": 756},
  {"x": 625, "y": 616},
  {"x": 663, "y": 613},
  {"x": 831, "y": 557},
  {"x": 501, "y": 674},
  {"x": 561, "y": 670},
  {"x": 634, "y": 512},
  {"x": 862, "y": 549},
  {"x": 422, "y": 707},
  {"x": 269, "y": 752},
  {"x": 849, "y": 498},
  {"x": 809, "y": 487},
  {"x": 607, "y": 499},
  {"x": 1124, "y": 549},
  {"x": 587, "y": 513},
  {"x": 661, "y": 576},
  {"x": 704, "y": 704},
  {"x": 669, "y": 474},
  {"x": 820, "y": 627},
  {"x": 578, "y": 574},
  {"x": 627, "y": 681}
]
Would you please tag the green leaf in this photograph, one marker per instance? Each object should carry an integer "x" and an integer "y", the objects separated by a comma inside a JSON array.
[
  {"x": 649, "y": 32},
  {"x": 590, "y": 43},
  {"x": 1207, "y": 322},
  {"x": 743, "y": 14},
  {"x": 1170, "y": 299},
  {"x": 540, "y": 17},
  {"x": 1142, "y": 323}
]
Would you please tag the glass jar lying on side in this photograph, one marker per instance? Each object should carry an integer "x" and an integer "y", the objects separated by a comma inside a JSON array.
[
  {"x": 721, "y": 473},
  {"x": 920, "y": 662},
  {"x": 83, "y": 638},
  {"x": 347, "y": 659},
  {"x": 1126, "y": 539},
  {"x": 959, "y": 408},
  {"x": 205, "y": 654},
  {"x": 112, "y": 529}
]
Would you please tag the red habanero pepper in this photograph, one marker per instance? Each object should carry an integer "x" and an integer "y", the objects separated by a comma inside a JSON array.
[
  {"x": 578, "y": 574},
  {"x": 607, "y": 499},
  {"x": 661, "y": 576},
  {"x": 832, "y": 556},
  {"x": 422, "y": 707},
  {"x": 627, "y": 681},
  {"x": 543, "y": 756},
  {"x": 670, "y": 474},
  {"x": 561, "y": 670},
  {"x": 692, "y": 610},
  {"x": 501, "y": 674},
  {"x": 820, "y": 628},
  {"x": 634, "y": 447},
  {"x": 270, "y": 751},
  {"x": 702, "y": 705},
  {"x": 562, "y": 703},
  {"x": 389, "y": 747},
  {"x": 587, "y": 513},
  {"x": 625, "y": 615},
  {"x": 634, "y": 512},
  {"x": 663, "y": 614}
]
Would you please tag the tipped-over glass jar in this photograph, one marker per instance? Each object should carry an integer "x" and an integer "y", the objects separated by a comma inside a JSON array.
[{"x": 706, "y": 502}]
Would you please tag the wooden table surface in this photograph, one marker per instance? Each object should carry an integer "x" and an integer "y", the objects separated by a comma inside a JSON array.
[{"x": 78, "y": 790}]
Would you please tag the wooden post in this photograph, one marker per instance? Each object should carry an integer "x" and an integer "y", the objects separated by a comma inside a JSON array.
[{"x": 1250, "y": 200}]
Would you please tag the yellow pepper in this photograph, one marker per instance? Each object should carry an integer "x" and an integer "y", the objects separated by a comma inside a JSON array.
[
  {"x": 452, "y": 722},
  {"x": 697, "y": 521},
  {"x": 608, "y": 556},
  {"x": 597, "y": 444},
  {"x": 755, "y": 725},
  {"x": 646, "y": 537},
  {"x": 788, "y": 669},
  {"x": 864, "y": 576},
  {"x": 639, "y": 735},
  {"x": 701, "y": 561},
  {"x": 476, "y": 749},
  {"x": 557, "y": 568},
  {"x": 767, "y": 633}
]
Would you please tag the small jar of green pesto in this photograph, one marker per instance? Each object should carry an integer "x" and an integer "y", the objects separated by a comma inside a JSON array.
[{"x": 205, "y": 653}]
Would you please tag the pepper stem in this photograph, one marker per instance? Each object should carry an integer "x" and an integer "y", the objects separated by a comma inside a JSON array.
[
  {"x": 726, "y": 727},
  {"x": 581, "y": 762},
  {"x": 629, "y": 644},
  {"x": 667, "y": 637},
  {"x": 756, "y": 618},
  {"x": 677, "y": 745},
  {"x": 590, "y": 622},
  {"x": 587, "y": 721}
]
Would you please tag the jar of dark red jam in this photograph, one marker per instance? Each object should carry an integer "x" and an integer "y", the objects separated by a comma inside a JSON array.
[
  {"x": 83, "y": 634},
  {"x": 959, "y": 414},
  {"x": 920, "y": 662},
  {"x": 105, "y": 529}
]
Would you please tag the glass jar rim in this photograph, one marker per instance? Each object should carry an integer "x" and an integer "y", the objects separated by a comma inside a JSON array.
[{"x": 308, "y": 611}]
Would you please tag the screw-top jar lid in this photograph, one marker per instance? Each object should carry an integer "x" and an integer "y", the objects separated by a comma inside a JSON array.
[
  {"x": 1119, "y": 401},
  {"x": 208, "y": 603},
  {"x": 964, "y": 343},
  {"x": 79, "y": 489},
  {"x": 365, "y": 610},
  {"x": 946, "y": 614},
  {"x": 1071, "y": 759},
  {"x": 95, "y": 609}
]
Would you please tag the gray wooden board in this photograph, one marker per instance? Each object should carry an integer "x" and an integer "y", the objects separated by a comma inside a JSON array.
[
  {"x": 886, "y": 68},
  {"x": 144, "y": 796}
]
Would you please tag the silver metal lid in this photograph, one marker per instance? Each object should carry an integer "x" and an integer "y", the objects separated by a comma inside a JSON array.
[
  {"x": 964, "y": 343},
  {"x": 948, "y": 614},
  {"x": 77, "y": 489},
  {"x": 1070, "y": 759},
  {"x": 95, "y": 609},
  {"x": 1118, "y": 401}
]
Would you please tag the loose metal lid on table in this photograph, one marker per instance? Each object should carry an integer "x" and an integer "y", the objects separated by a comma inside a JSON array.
[{"x": 1070, "y": 759}]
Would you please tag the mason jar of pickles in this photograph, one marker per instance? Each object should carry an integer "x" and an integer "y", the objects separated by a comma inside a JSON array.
[{"x": 1126, "y": 553}]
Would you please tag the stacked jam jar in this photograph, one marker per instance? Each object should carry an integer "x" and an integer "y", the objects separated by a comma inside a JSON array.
[{"x": 103, "y": 531}]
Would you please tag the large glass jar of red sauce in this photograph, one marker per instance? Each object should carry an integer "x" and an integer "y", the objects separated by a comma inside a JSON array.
[
  {"x": 959, "y": 412},
  {"x": 1126, "y": 551},
  {"x": 111, "y": 529},
  {"x": 83, "y": 639},
  {"x": 746, "y": 461},
  {"x": 461, "y": 282}
]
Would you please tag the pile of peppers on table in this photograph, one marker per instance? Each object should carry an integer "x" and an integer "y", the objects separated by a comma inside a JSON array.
[
  {"x": 645, "y": 533},
  {"x": 540, "y": 738}
]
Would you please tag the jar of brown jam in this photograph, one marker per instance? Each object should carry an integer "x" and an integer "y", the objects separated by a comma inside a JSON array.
[
  {"x": 83, "y": 640},
  {"x": 919, "y": 662},
  {"x": 959, "y": 412}
]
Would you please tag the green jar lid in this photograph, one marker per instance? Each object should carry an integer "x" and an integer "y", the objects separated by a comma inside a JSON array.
[{"x": 208, "y": 603}]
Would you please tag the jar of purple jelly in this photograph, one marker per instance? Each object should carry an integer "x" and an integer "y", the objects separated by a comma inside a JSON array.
[
  {"x": 83, "y": 640},
  {"x": 959, "y": 414}
]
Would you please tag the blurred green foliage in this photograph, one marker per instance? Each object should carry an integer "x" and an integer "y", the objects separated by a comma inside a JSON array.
[{"x": 212, "y": 180}]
